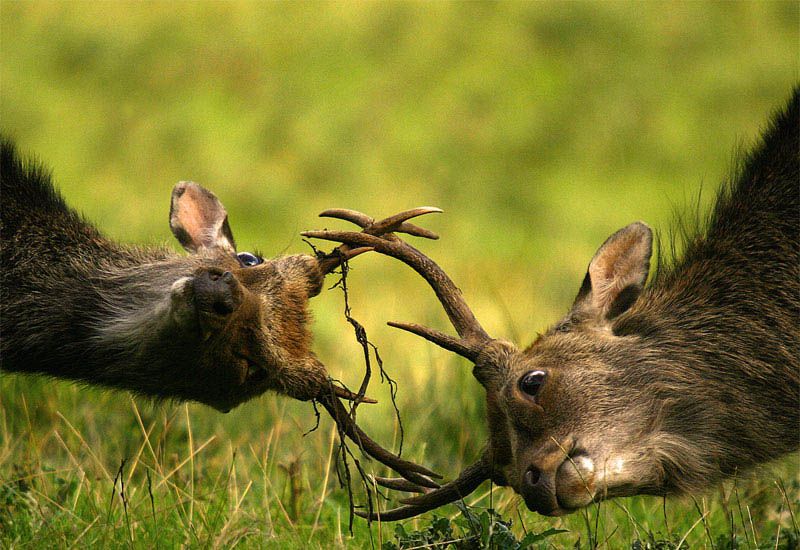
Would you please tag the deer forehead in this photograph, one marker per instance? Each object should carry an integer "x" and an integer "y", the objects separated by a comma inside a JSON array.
[{"x": 578, "y": 352}]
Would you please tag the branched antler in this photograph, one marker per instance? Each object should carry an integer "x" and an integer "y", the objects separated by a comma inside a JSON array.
[
  {"x": 383, "y": 228},
  {"x": 330, "y": 398},
  {"x": 469, "y": 480},
  {"x": 472, "y": 336},
  {"x": 471, "y": 340}
]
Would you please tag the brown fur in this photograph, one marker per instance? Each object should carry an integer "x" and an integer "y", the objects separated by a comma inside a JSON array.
[
  {"x": 645, "y": 390},
  {"x": 76, "y": 305},
  {"x": 672, "y": 387}
]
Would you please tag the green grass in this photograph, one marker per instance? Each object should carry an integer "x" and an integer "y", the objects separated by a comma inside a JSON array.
[{"x": 539, "y": 129}]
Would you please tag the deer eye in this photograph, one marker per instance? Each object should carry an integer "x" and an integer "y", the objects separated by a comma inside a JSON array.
[
  {"x": 531, "y": 382},
  {"x": 249, "y": 260}
]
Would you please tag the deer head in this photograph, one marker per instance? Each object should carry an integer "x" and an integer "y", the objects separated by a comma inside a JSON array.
[
  {"x": 249, "y": 317},
  {"x": 537, "y": 443}
]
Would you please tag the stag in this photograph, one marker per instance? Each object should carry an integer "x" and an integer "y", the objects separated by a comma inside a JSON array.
[
  {"x": 215, "y": 326},
  {"x": 659, "y": 389}
]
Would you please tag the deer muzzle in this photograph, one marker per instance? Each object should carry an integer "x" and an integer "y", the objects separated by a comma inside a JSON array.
[
  {"x": 217, "y": 295},
  {"x": 559, "y": 490}
]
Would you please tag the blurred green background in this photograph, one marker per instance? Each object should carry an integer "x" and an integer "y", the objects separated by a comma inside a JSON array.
[{"x": 540, "y": 128}]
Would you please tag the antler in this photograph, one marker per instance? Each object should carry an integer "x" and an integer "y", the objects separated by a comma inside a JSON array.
[
  {"x": 393, "y": 224},
  {"x": 472, "y": 337},
  {"x": 414, "y": 474},
  {"x": 469, "y": 480}
]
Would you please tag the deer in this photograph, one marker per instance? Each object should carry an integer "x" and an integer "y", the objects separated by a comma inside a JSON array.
[
  {"x": 663, "y": 388},
  {"x": 217, "y": 326}
]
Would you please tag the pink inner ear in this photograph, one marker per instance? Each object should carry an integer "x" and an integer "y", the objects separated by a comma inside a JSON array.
[
  {"x": 198, "y": 219},
  {"x": 192, "y": 218}
]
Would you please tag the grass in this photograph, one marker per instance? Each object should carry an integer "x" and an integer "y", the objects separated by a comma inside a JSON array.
[{"x": 539, "y": 128}]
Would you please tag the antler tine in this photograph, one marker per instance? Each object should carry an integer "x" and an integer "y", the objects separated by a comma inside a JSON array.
[
  {"x": 416, "y": 231},
  {"x": 412, "y": 472},
  {"x": 344, "y": 393},
  {"x": 465, "y": 484},
  {"x": 393, "y": 224},
  {"x": 396, "y": 223},
  {"x": 395, "y": 514},
  {"x": 446, "y": 341},
  {"x": 473, "y": 337},
  {"x": 353, "y": 216},
  {"x": 399, "y": 484}
]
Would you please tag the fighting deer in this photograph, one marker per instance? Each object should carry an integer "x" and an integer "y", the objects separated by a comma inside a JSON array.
[
  {"x": 215, "y": 326},
  {"x": 658, "y": 389}
]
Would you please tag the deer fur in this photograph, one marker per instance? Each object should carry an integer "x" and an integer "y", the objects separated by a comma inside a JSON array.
[
  {"x": 671, "y": 387},
  {"x": 79, "y": 306},
  {"x": 664, "y": 388}
]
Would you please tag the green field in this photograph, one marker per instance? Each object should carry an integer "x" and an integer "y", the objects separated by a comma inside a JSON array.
[{"x": 540, "y": 128}]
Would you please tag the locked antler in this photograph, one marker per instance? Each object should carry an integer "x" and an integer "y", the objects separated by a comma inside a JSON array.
[
  {"x": 416, "y": 475},
  {"x": 472, "y": 338},
  {"x": 466, "y": 483}
]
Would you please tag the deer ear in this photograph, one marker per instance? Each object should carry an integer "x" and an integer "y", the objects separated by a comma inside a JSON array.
[
  {"x": 198, "y": 219},
  {"x": 617, "y": 272}
]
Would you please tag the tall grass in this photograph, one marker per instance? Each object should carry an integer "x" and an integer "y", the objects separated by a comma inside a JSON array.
[{"x": 540, "y": 128}]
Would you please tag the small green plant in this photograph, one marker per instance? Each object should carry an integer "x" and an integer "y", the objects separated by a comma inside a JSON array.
[
  {"x": 653, "y": 543},
  {"x": 470, "y": 531},
  {"x": 16, "y": 505}
]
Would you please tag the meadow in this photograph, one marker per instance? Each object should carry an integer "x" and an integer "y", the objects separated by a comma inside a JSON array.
[{"x": 539, "y": 128}]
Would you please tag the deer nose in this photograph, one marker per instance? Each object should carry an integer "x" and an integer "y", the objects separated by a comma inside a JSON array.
[
  {"x": 533, "y": 476},
  {"x": 539, "y": 491},
  {"x": 216, "y": 292}
]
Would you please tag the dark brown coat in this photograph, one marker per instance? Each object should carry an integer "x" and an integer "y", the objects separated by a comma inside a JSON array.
[{"x": 204, "y": 327}]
